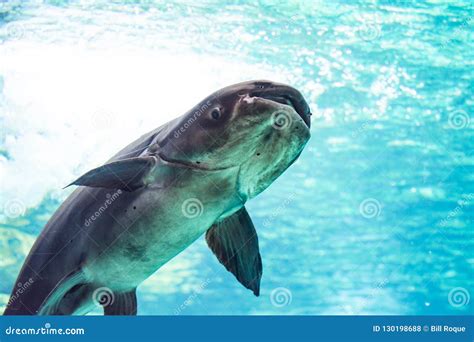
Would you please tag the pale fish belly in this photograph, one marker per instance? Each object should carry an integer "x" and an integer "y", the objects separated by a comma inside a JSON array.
[{"x": 169, "y": 224}]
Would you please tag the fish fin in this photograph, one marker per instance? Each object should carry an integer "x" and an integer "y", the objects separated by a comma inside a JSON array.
[
  {"x": 52, "y": 305},
  {"x": 126, "y": 174},
  {"x": 124, "y": 303},
  {"x": 234, "y": 241}
]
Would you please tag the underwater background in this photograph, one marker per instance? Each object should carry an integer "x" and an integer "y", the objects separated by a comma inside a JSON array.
[{"x": 376, "y": 217}]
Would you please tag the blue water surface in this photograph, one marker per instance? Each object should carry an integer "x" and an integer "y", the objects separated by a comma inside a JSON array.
[{"x": 376, "y": 217}]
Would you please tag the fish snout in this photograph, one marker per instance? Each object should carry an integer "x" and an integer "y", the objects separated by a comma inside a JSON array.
[{"x": 283, "y": 94}]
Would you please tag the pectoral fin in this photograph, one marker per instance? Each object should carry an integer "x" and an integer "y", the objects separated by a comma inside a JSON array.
[
  {"x": 122, "y": 304},
  {"x": 234, "y": 241},
  {"x": 126, "y": 174}
]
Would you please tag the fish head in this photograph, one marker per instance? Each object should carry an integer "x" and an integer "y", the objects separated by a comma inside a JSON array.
[{"x": 258, "y": 128}]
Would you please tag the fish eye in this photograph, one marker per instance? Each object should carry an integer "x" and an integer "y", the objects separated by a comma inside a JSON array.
[{"x": 216, "y": 113}]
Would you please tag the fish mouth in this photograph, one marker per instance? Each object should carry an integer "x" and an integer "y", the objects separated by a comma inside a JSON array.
[
  {"x": 286, "y": 95},
  {"x": 190, "y": 165}
]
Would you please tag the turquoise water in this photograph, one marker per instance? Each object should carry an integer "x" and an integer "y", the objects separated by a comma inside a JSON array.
[{"x": 376, "y": 217}]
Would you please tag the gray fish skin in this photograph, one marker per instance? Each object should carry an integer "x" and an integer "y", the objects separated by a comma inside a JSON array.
[{"x": 223, "y": 152}]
